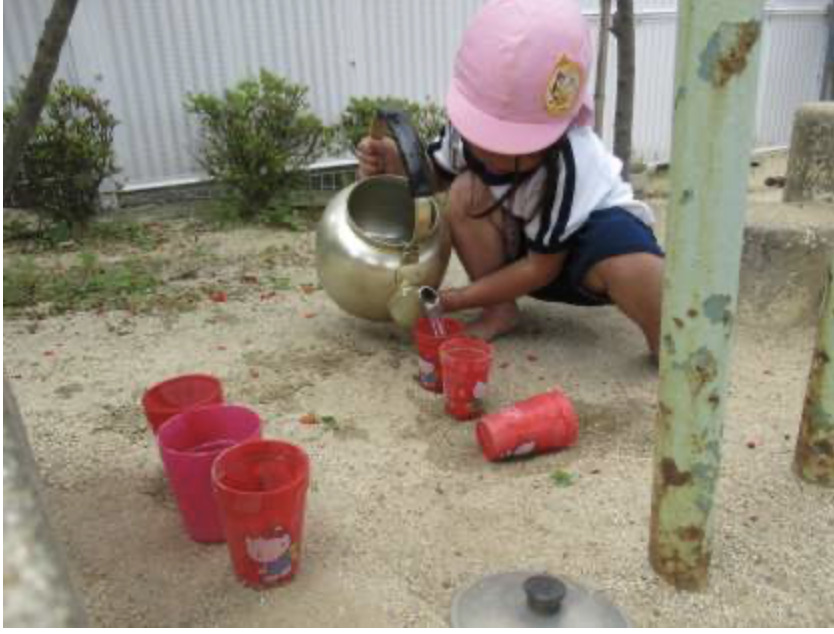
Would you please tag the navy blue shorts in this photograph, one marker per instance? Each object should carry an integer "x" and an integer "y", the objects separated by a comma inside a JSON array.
[{"x": 606, "y": 233}]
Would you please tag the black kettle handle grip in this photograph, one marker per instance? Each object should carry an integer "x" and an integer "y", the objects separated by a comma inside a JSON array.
[{"x": 411, "y": 151}]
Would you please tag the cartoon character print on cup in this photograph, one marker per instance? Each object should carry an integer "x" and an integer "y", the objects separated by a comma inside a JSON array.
[
  {"x": 478, "y": 396},
  {"x": 428, "y": 373},
  {"x": 524, "y": 449},
  {"x": 274, "y": 553}
]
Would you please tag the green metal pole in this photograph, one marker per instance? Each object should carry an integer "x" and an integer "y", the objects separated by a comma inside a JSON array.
[
  {"x": 814, "y": 459},
  {"x": 715, "y": 91}
]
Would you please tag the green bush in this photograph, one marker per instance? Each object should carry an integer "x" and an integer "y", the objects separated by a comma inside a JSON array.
[
  {"x": 69, "y": 155},
  {"x": 354, "y": 123},
  {"x": 257, "y": 139}
]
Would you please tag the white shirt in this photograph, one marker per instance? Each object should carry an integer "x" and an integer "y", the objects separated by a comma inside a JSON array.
[{"x": 588, "y": 180}]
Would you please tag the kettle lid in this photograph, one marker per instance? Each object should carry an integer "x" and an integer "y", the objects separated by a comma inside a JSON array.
[{"x": 526, "y": 599}]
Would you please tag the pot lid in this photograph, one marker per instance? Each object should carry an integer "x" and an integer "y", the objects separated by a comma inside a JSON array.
[{"x": 527, "y": 599}]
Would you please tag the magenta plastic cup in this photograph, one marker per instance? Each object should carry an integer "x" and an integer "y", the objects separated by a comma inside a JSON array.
[
  {"x": 261, "y": 491},
  {"x": 189, "y": 443}
]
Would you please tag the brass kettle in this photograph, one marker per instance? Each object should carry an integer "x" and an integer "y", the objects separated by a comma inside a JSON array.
[{"x": 381, "y": 239}]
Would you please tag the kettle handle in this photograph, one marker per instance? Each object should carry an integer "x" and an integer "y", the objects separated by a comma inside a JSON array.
[{"x": 410, "y": 148}]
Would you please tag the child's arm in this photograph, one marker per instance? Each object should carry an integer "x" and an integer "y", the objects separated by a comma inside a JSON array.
[{"x": 506, "y": 284}]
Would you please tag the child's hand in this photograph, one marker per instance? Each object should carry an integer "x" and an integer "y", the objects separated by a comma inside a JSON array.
[
  {"x": 377, "y": 156},
  {"x": 451, "y": 300}
]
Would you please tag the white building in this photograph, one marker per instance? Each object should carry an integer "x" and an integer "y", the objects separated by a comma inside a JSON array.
[{"x": 145, "y": 55}]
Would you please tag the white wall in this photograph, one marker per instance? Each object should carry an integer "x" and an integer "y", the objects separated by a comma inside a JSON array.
[{"x": 145, "y": 55}]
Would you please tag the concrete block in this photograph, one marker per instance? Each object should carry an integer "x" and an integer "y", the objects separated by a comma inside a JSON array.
[{"x": 811, "y": 161}]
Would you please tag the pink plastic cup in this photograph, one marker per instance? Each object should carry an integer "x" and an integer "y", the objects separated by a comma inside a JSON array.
[
  {"x": 428, "y": 342},
  {"x": 466, "y": 363},
  {"x": 189, "y": 443},
  {"x": 539, "y": 424},
  {"x": 179, "y": 394},
  {"x": 261, "y": 491}
]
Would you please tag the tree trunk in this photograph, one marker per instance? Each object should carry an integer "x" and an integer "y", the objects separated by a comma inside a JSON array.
[
  {"x": 623, "y": 29},
  {"x": 602, "y": 65},
  {"x": 37, "y": 88}
]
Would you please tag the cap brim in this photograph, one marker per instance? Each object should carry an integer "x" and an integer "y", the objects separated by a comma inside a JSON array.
[{"x": 498, "y": 135}]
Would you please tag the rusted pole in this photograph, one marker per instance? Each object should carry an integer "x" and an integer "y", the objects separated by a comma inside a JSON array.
[
  {"x": 715, "y": 92},
  {"x": 814, "y": 459}
]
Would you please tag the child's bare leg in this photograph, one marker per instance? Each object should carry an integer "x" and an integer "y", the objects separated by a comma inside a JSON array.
[
  {"x": 479, "y": 243},
  {"x": 634, "y": 282}
]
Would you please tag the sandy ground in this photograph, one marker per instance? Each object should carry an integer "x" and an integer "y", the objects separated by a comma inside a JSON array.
[{"x": 403, "y": 510}]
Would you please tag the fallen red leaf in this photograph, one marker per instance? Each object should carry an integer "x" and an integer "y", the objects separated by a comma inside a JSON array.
[
  {"x": 309, "y": 315},
  {"x": 308, "y": 419},
  {"x": 218, "y": 296},
  {"x": 307, "y": 288}
]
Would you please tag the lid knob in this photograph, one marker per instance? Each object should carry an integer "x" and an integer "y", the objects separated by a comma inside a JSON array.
[{"x": 544, "y": 594}]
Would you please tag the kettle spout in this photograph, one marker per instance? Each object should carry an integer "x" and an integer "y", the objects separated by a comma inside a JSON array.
[{"x": 404, "y": 305}]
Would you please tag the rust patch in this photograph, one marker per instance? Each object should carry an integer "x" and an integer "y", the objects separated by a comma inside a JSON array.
[
  {"x": 691, "y": 534},
  {"x": 701, "y": 369},
  {"x": 671, "y": 475},
  {"x": 823, "y": 448},
  {"x": 684, "y": 573},
  {"x": 734, "y": 61},
  {"x": 728, "y": 50},
  {"x": 664, "y": 417}
]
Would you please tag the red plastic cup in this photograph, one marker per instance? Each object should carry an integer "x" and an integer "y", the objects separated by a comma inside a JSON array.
[
  {"x": 179, "y": 394},
  {"x": 261, "y": 491},
  {"x": 539, "y": 424},
  {"x": 189, "y": 443},
  {"x": 466, "y": 362},
  {"x": 428, "y": 342}
]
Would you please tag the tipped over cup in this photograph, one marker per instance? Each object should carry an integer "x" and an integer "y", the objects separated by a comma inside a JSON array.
[{"x": 539, "y": 424}]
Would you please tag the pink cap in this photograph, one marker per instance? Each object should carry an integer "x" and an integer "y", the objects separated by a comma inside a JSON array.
[{"x": 521, "y": 75}]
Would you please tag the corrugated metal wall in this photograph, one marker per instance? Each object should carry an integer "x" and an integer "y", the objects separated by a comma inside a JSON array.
[{"x": 146, "y": 55}]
